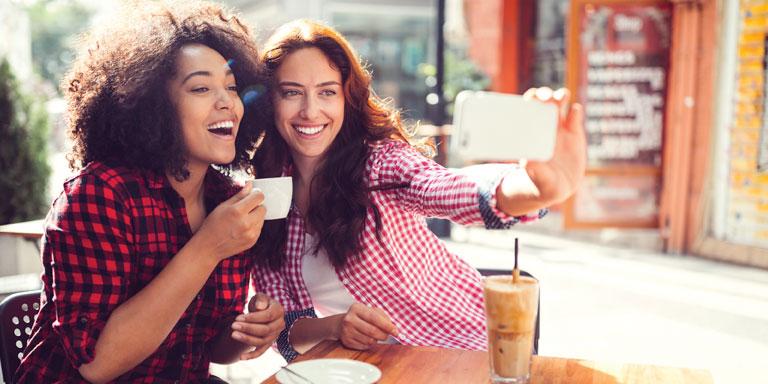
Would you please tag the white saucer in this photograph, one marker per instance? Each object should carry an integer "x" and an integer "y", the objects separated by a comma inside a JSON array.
[{"x": 330, "y": 371}]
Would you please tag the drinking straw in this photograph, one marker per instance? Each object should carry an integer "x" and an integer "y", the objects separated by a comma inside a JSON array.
[{"x": 515, "y": 271}]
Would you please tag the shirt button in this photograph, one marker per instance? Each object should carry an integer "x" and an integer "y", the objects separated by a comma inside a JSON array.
[
  {"x": 199, "y": 296},
  {"x": 345, "y": 281},
  {"x": 83, "y": 321},
  {"x": 188, "y": 325},
  {"x": 184, "y": 356}
]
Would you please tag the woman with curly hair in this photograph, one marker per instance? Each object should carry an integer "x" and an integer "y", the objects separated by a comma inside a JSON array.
[
  {"x": 145, "y": 252},
  {"x": 355, "y": 250}
]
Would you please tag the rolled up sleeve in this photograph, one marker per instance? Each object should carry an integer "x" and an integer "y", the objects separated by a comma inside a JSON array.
[
  {"x": 466, "y": 196},
  {"x": 91, "y": 259},
  {"x": 488, "y": 177},
  {"x": 274, "y": 284},
  {"x": 284, "y": 340}
]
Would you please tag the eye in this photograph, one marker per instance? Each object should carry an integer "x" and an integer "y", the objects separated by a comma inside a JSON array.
[
  {"x": 232, "y": 88},
  {"x": 199, "y": 89},
  {"x": 290, "y": 93},
  {"x": 328, "y": 92}
]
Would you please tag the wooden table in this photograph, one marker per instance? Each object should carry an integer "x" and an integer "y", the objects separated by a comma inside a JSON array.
[{"x": 406, "y": 364}]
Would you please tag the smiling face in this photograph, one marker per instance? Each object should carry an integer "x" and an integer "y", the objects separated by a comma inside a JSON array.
[
  {"x": 309, "y": 103},
  {"x": 209, "y": 109}
]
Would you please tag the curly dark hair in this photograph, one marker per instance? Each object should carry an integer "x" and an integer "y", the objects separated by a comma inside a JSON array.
[
  {"x": 120, "y": 112},
  {"x": 339, "y": 198}
]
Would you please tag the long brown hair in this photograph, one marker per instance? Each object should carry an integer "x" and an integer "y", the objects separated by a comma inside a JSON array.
[{"x": 339, "y": 199}]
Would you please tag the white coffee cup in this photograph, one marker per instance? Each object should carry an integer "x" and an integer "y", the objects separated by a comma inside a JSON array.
[{"x": 277, "y": 195}]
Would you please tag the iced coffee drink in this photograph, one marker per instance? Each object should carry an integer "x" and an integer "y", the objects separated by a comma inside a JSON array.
[{"x": 511, "y": 317}]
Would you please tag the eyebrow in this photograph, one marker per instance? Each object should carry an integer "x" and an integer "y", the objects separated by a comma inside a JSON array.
[
  {"x": 295, "y": 84},
  {"x": 203, "y": 73}
]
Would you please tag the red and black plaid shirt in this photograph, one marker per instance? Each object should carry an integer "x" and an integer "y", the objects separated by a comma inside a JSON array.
[{"x": 109, "y": 233}]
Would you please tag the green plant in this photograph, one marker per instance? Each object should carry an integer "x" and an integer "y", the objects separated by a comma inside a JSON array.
[
  {"x": 24, "y": 169},
  {"x": 55, "y": 25},
  {"x": 460, "y": 74}
]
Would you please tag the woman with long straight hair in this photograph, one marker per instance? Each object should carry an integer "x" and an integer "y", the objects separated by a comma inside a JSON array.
[{"x": 354, "y": 260}]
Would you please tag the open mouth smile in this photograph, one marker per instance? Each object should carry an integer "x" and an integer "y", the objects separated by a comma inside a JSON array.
[
  {"x": 222, "y": 128},
  {"x": 309, "y": 130}
]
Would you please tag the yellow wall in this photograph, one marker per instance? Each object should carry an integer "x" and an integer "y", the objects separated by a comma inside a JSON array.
[{"x": 747, "y": 219}]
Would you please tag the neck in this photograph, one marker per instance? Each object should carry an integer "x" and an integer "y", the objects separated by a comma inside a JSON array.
[
  {"x": 305, "y": 169},
  {"x": 191, "y": 189}
]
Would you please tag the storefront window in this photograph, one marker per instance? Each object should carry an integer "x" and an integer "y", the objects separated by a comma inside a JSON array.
[
  {"x": 394, "y": 47},
  {"x": 618, "y": 71}
]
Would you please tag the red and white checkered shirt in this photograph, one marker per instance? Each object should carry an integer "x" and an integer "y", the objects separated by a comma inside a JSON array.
[{"x": 434, "y": 297}]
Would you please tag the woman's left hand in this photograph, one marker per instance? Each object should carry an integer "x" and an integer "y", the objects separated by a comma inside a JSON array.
[
  {"x": 259, "y": 327},
  {"x": 559, "y": 177}
]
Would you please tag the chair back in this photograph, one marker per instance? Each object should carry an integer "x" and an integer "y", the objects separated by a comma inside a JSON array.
[{"x": 17, "y": 314}]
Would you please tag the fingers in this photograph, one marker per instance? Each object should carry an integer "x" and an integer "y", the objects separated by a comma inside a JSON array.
[
  {"x": 357, "y": 340},
  {"x": 378, "y": 318},
  {"x": 256, "y": 352},
  {"x": 271, "y": 312},
  {"x": 575, "y": 117},
  {"x": 242, "y": 193},
  {"x": 371, "y": 331},
  {"x": 544, "y": 93},
  {"x": 251, "y": 201},
  {"x": 561, "y": 97},
  {"x": 258, "y": 329},
  {"x": 251, "y": 334},
  {"x": 258, "y": 302},
  {"x": 363, "y": 326},
  {"x": 529, "y": 94}
]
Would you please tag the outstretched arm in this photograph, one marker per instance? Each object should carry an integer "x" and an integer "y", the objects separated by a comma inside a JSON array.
[{"x": 545, "y": 183}]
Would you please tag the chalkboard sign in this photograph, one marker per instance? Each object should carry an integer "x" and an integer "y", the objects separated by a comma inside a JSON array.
[{"x": 618, "y": 56}]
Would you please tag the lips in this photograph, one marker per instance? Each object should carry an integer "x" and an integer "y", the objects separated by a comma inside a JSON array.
[
  {"x": 309, "y": 130},
  {"x": 222, "y": 128}
]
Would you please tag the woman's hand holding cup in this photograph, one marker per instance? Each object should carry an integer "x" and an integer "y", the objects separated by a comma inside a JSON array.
[{"x": 235, "y": 224}]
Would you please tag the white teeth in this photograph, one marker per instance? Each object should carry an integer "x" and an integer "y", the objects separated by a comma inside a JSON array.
[
  {"x": 222, "y": 124},
  {"x": 309, "y": 130}
]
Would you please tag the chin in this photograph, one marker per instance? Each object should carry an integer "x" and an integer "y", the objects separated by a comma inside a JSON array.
[{"x": 224, "y": 160}]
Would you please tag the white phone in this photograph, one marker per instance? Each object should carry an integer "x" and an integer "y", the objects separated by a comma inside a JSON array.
[{"x": 490, "y": 126}]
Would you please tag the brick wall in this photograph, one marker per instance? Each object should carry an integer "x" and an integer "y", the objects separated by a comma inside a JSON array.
[{"x": 747, "y": 218}]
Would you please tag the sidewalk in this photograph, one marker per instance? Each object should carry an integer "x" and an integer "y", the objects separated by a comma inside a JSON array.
[{"x": 622, "y": 304}]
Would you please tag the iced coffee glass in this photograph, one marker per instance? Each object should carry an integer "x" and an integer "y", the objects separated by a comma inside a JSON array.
[{"x": 511, "y": 317}]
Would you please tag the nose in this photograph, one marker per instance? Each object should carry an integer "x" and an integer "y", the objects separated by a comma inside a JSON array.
[
  {"x": 224, "y": 100},
  {"x": 310, "y": 108}
]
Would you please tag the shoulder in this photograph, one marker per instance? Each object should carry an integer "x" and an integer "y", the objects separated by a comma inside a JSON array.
[
  {"x": 389, "y": 151},
  {"x": 99, "y": 178}
]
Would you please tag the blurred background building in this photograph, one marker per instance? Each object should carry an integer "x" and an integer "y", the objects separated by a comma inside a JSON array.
[
  {"x": 396, "y": 38},
  {"x": 675, "y": 95}
]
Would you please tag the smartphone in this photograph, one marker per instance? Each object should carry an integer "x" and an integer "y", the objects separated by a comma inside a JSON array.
[{"x": 491, "y": 126}]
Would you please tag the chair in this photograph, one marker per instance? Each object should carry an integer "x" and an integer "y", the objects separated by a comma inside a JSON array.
[
  {"x": 17, "y": 314},
  {"x": 493, "y": 272}
]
